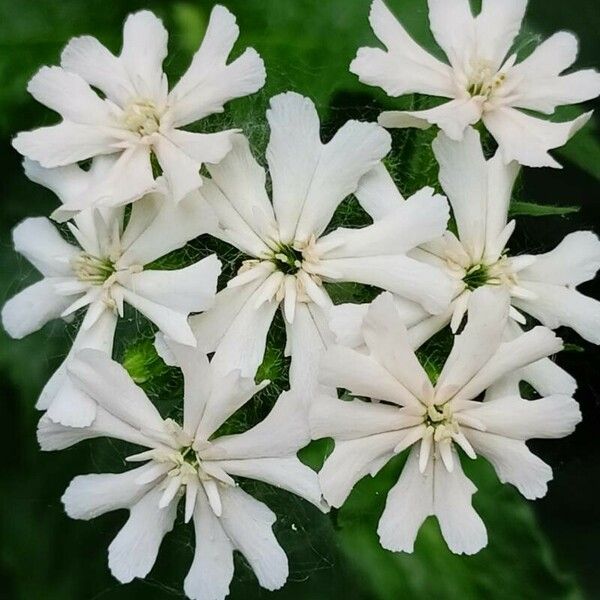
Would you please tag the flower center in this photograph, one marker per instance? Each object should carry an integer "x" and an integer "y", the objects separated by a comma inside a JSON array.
[
  {"x": 92, "y": 269},
  {"x": 476, "y": 276},
  {"x": 440, "y": 419},
  {"x": 287, "y": 259},
  {"x": 484, "y": 81},
  {"x": 142, "y": 117}
]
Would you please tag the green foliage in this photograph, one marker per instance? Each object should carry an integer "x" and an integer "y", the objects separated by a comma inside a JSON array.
[
  {"x": 532, "y": 209},
  {"x": 142, "y": 362}
]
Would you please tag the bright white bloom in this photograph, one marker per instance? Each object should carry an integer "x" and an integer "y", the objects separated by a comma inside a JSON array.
[
  {"x": 137, "y": 115},
  {"x": 187, "y": 462},
  {"x": 104, "y": 270},
  {"x": 435, "y": 421},
  {"x": 543, "y": 286},
  {"x": 289, "y": 255},
  {"x": 482, "y": 80}
]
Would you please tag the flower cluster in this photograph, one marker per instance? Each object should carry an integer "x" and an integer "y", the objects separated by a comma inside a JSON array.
[{"x": 134, "y": 185}]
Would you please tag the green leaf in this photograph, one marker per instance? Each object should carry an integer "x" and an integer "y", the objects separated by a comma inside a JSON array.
[{"x": 531, "y": 209}]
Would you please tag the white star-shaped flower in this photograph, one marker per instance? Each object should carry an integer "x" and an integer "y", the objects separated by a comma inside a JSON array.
[
  {"x": 482, "y": 81},
  {"x": 104, "y": 269},
  {"x": 137, "y": 116},
  {"x": 188, "y": 462},
  {"x": 543, "y": 286},
  {"x": 290, "y": 253},
  {"x": 405, "y": 410}
]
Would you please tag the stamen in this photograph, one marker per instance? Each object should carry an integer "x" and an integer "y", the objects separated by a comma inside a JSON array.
[
  {"x": 142, "y": 117},
  {"x": 92, "y": 269}
]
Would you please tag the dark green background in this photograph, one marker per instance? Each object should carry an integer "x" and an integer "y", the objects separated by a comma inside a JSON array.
[{"x": 547, "y": 549}]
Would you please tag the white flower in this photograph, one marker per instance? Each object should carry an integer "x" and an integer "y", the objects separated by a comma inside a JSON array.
[
  {"x": 289, "y": 255},
  {"x": 408, "y": 411},
  {"x": 483, "y": 81},
  {"x": 543, "y": 286},
  {"x": 188, "y": 461},
  {"x": 102, "y": 272},
  {"x": 138, "y": 116}
]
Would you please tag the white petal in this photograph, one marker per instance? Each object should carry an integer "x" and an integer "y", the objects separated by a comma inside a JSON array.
[
  {"x": 32, "y": 308},
  {"x": 68, "y": 183},
  {"x": 464, "y": 178},
  {"x": 537, "y": 343},
  {"x": 404, "y": 276},
  {"x": 405, "y": 67},
  {"x": 236, "y": 328},
  {"x": 408, "y": 504},
  {"x": 112, "y": 181},
  {"x": 287, "y": 473},
  {"x": 293, "y": 155},
  {"x": 144, "y": 49},
  {"x": 528, "y": 139},
  {"x": 478, "y": 342},
  {"x": 233, "y": 229},
  {"x": 209, "y": 82},
  {"x": 345, "y": 322},
  {"x": 53, "y": 436},
  {"x": 109, "y": 384},
  {"x": 377, "y": 193},
  {"x": 228, "y": 393},
  {"x": 203, "y": 147},
  {"x": 191, "y": 289},
  {"x": 70, "y": 96},
  {"x": 133, "y": 552},
  {"x": 501, "y": 179},
  {"x": 514, "y": 463},
  {"x": 212, "y": 568},
  {"x": 453, "y": 28},
  {"x": 181, "y": 171},
  {"x": 547, "y": 378},
  {"x": 65, "y": 143},
  {"x": 38, "y": 240},
  {"x": 419, "y": 333},
  {"x": 64, "y": 400},
  {"x": 282, "y": 433},
  {"x": 247, "y": 523},
  {"x": 557, "y": 306},
  {"x": 537, "y": 81},
  {"x": 87, "y": 57},
  {"x": 353, "y": 151},
  {"x": 575, "y": 260},
  {"x": 348, "y": 420},
  {"x": 387, "y": 340},
  {"x": 173, "y": 323},
  {"x": 361, "y": 375},
  {"x": 514, "y": 417},
  {"x": 461, "y": 526},
  {"x": 421, "y": 218},
  {"x": 89, "y": 496},
  {"x": 166, "y": 227},
  {"x": 194, "y": 365},
  {"x": 308, "y": 337},
  {"x": 451, "y": 117},
  {"x": 351, "y": 460},
  {"x": 497, "y": 26},
  {"x": 242, "y": 182}
]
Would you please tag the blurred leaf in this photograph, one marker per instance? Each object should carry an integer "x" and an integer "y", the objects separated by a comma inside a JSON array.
[
  {"x": 190, "y": 23},
  {"x": 584, "y": 151},
  {"x": 532, "y": 209}
]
